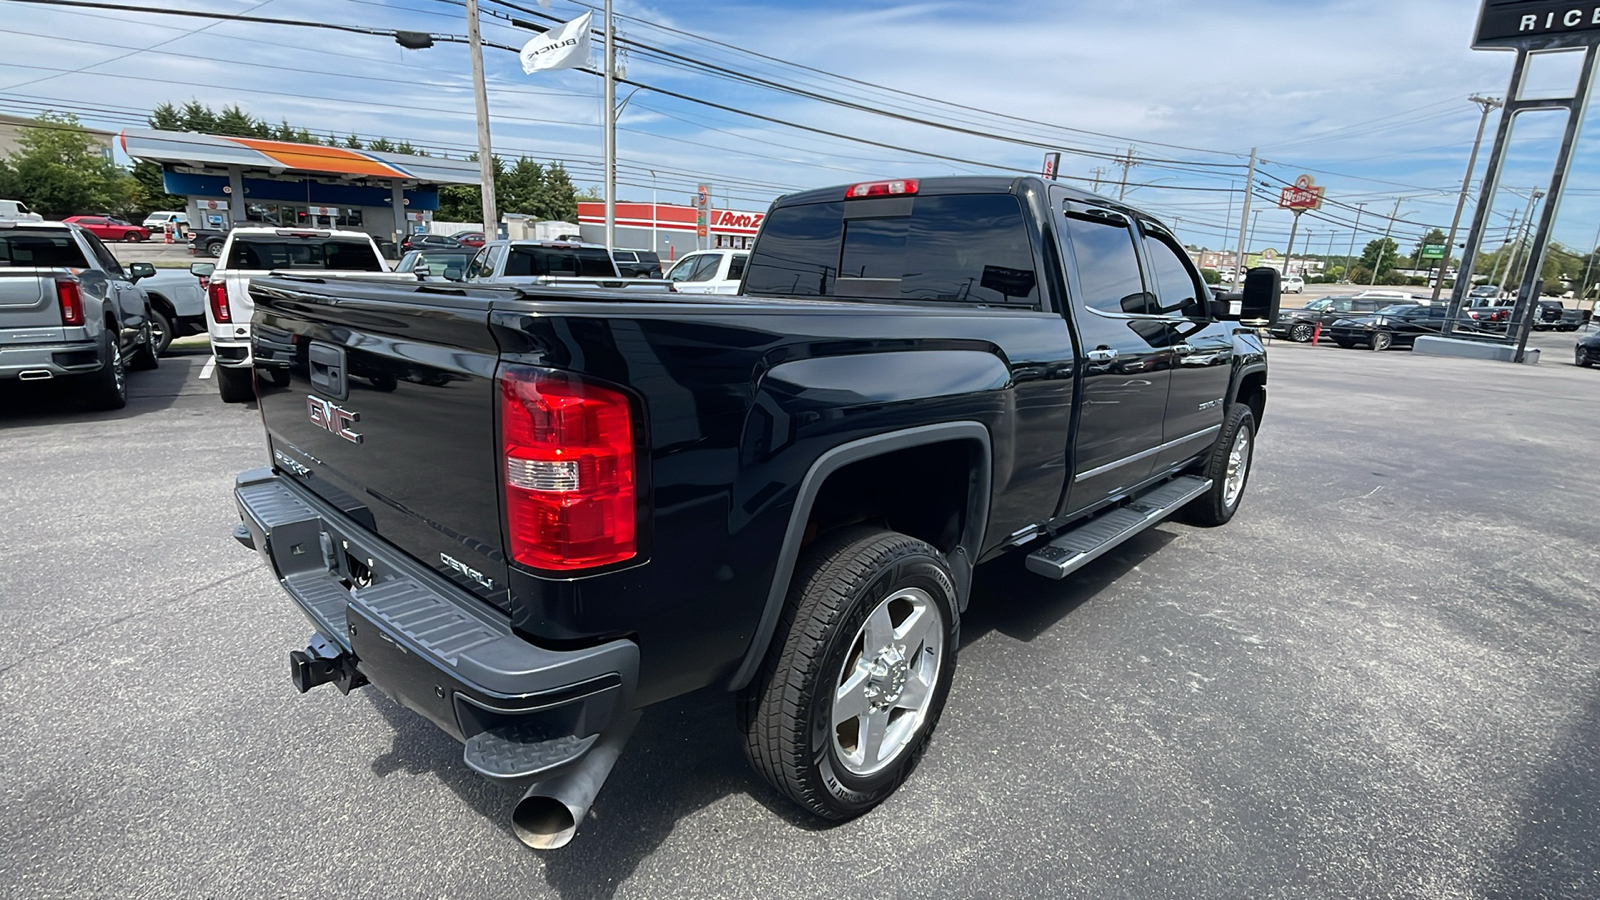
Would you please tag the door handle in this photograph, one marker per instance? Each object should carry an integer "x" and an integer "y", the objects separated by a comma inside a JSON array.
[{"x": 1102, "y": 355}]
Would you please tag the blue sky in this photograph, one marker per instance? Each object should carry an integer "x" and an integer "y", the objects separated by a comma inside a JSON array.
[{"x": 1368, "y": 97}]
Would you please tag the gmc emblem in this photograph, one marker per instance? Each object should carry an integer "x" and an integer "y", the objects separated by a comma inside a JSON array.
[{"x": 333, "y": 417}]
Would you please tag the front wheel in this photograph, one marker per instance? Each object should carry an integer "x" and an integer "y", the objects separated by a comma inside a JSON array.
[
  {"x": 1382, "y": 341},
  {"x": 236, "y": 385},
  {"x": 1229, "y": 470},
  {"x": 133, "y": 237},
  {"x": 1302, "y": 333},
  {"x": 161, "y": 325},
  {"x": 146, "y": 356},
  {"x": 1583, "y": 359},
  {"x": 847, "y": 700}
]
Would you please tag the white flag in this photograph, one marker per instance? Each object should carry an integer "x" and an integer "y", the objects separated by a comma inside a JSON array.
[{"x": 562, "y": 47}]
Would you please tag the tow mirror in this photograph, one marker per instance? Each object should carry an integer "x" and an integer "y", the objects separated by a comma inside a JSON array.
[
  {"x": 202, "y": 270},
  {"x": 1262, "y": 296},
  {"x": 140, "y": 270}
]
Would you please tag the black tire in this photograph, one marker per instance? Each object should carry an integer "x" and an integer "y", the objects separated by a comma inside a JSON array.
[
  {"x": 1345, "y": 344},
  {"x": 214, "y": 248},
  {"x": 108, "y": 388},
  {"x": 236, "y": 385},
  {"x": 146, "y": 356},
  {"x": 1216, "y": 506},
  {"x": 133, "y": 237},
  {"x": 1302, "y": 332},
  {"x": 1381, "y": 341},
  {"x": 787, "y": 713},
  {"x": 1582, "y": 358},
  {"x": 162, "y": 323}
]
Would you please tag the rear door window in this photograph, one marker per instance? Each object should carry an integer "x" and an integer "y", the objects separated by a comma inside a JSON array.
[
  {"x": 1109, "y": 275},
  {"x": 965, "y": 248}
]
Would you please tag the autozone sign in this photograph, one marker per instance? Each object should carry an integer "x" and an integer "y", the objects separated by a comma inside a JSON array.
[
  {"x": 728, "y": 220},
  {"x": 1539, "y": 23}
]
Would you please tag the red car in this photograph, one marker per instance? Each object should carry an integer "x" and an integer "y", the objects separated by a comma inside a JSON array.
[
  {"x": 107, "y": 228},
  {"x": 469, "y": 238}
]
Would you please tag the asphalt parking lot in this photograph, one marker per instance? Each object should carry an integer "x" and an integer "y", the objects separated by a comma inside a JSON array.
[{"x": 1381, "y": 680}]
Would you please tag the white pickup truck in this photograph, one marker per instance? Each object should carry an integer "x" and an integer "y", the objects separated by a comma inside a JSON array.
[{"x": 258, "y": 251}]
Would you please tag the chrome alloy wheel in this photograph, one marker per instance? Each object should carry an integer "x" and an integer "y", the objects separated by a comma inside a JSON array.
[
  {"x": 1238, "y": 467},
  {"x": 118, "y": 371},
  {"x": 886, "y": 684}
]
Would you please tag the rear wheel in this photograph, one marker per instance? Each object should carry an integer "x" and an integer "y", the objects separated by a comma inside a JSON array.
[
  {"x": 845, "y": 704},
  {"x": 214, "y": 248},
  {"x": 236, "y": 385},
  {"x": 1302, "y": 333},
  {"x": 108, "y": 388},
  {"x": 133, "y": 236},
  {"x": 1229, "y": 470},
  {"x": 1382, "y": 341}
]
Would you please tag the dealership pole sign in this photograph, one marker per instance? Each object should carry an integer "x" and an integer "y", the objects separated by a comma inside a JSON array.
[{"x": 1536, "y": 24}]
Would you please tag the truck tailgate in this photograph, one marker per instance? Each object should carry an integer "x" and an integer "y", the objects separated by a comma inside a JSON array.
[{"x": 387, "y": 411}]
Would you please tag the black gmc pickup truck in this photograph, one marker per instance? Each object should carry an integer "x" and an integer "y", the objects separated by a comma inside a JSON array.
[{"x": 526, "y": 514}]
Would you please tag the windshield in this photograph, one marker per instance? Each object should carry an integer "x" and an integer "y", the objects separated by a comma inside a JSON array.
[
  {"x": 270, "y": 251},
  {"x": 1396, "y": 309},
  {"x": 1319, "y": 304}
]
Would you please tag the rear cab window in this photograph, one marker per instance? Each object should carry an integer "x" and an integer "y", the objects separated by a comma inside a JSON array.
[
  {"x": 265, "y": 252},
  {"x": 561, "y": 262},
  {"x": 40, "y": 250},
  {"x": 951, "y": 248}
]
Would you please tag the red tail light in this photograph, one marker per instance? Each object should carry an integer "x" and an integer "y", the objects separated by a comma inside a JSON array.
[
  {"x": 218, "y": 292},
  {"x": 898, "y": 188},
  {"x": 70, "y": 297},
  {"x": 570, "y": 478}
]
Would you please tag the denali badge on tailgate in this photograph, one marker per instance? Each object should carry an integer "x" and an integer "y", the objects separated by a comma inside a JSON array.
[{"x": 333, "y": 417}]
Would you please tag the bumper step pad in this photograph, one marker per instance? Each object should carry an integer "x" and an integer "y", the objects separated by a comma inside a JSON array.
[
  {"x": 1077, "y": 548},
  {"x": 523, "y": 750}
]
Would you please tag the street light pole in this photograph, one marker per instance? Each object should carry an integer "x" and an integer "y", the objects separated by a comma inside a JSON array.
[
  {"x": 611, "y": 132},
  {"x": 1489, "y": 104},
  {"x": 491, "y": 219},
  {"x": 1349, "y": 258},
  {"x": 1384, "y": 247}
]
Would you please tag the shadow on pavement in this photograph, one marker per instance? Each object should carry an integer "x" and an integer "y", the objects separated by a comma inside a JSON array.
[
  {"x": 1557, "y": 849},
  {"x": 59, "y": 401},
  {"x": 685, "y": 754}
]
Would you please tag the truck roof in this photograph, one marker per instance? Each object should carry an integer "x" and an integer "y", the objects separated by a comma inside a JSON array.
[
  {"x": 960, "y": 184},
  {"x": 286, "y": 232},
  {"x": 23, "y": 223}
]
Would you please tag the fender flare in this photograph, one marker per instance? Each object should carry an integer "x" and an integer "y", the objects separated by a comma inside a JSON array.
[{"x": 961, "y": 561}]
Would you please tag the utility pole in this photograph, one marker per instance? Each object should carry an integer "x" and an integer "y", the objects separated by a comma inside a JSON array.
[
  {"x": 1589, "y": 269},
  {"x": 1489, "y": 104},
  {"x": 1384, "y": 247},
  {"x": 491, "y": 219},
  {"x": 611, "y": 132},
  {"x": 1522, "y": 237},
  {"x": 1349, "y": 258},
  {"x": 1126, "y": 163},
  {"x": 1244, "y": 218},
  {"x": 1099, "y": 173}
]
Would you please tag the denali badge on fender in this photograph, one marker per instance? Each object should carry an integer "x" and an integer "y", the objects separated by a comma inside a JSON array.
[{"x": 333, "y": 417}]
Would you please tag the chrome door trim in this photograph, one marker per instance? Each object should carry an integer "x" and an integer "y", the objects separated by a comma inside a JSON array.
[{"x": 1146, "y": 454}]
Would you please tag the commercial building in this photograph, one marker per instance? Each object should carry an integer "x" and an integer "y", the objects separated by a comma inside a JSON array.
[
  {"x": 235, "y": 181},
  {"x": 669, "y": 229},
  {"x": 12, "y": 128}
]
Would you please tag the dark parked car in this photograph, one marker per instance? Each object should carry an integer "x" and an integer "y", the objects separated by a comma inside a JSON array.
[
  {"x": 206, "y": 241},
  {"x": 1300, "y": 325},
  {"x": 637, "y": 263},
  {"x": 429, "y": 242},
  {"x": 1588, "y": 352},
  {"x": 1392, "y": 326},
  {"x": 1553, "y": 315}
]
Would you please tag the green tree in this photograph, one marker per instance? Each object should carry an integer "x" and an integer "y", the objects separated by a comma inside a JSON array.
[
  {"x": 1379, "y": 256},
  {"x": 61, "y": 170},
  {"x": 352, "y": 142},
  {"x": 381, "y": 145}
]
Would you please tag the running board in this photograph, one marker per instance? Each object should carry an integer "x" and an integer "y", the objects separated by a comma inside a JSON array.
[{"x": 1077, "y": 548}]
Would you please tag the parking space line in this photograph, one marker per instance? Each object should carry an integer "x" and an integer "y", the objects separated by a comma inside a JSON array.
[{"x": 208, "y": 368}]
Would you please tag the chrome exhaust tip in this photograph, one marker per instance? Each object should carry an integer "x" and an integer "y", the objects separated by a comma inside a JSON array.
[
  {"x": 549, "y": 813},
  {"x": 35, "y": 375}
]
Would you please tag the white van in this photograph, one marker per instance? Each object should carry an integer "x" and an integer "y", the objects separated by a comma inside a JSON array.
[
  {"x": 17, "y": 211},
  {"x": 157, "y": 221}
]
